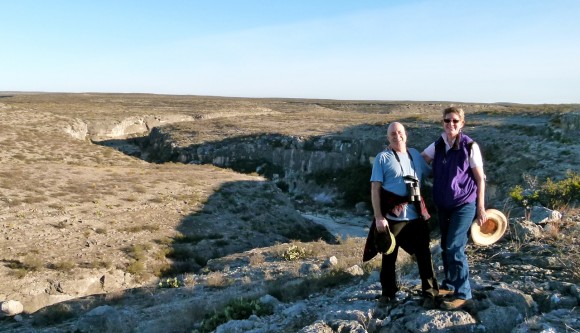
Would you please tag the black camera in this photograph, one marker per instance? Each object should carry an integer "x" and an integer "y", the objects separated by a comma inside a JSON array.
[{"x": 413, "y": 189}]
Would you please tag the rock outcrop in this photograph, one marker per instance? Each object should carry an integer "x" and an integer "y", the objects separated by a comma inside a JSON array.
[{"x": 289, "y": 159}]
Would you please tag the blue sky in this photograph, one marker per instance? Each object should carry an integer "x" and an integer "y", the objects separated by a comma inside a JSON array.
[{"x": 522, "y": 51}]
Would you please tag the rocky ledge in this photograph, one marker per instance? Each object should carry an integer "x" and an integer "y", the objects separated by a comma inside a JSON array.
[{"x": 526, "y": 282}]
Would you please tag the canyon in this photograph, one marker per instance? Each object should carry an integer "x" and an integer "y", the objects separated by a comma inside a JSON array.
[{"x": 105, "y": 195}]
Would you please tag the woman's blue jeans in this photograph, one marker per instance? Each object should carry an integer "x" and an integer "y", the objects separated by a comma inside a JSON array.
[{"x": 454, "y": 224}]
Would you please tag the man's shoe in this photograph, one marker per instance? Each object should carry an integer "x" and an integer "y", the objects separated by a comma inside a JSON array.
[
  {"x": 455, "y": 304},
  {"x": 445, "y": 292},
  {"x": 429, "y": 303},
  {"x": 385, "y": 301}
]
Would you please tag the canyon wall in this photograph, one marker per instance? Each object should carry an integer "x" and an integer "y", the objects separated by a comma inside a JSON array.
[{"x": 291, "y": 160}]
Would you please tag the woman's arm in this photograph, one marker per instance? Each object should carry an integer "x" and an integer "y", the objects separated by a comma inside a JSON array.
[
  {"x": 480, "y": 181},
  {"x": 429, "y": 153},
  {"x": 427, "y": 159}
]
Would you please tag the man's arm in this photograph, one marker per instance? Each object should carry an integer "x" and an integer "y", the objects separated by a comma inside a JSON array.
[{"x": 380, "y": 220}]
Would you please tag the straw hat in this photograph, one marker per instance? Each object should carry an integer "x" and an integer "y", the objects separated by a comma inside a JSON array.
[
  {"x": 385, "y": 243},
  {"x": 492, "y": 230}
]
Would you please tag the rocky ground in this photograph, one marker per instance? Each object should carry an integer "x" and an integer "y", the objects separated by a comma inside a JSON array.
[
  {"x": 521, "y": 284},
  {"x": 95, "y": 240}
]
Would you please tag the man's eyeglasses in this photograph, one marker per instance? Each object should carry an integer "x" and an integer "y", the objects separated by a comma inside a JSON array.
[{"x": 455, "y": 121}]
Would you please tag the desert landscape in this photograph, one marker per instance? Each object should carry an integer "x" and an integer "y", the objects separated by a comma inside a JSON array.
[{"x": 162, "y": 213}]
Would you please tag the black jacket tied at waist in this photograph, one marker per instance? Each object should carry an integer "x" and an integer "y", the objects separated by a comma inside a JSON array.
[{"x": 390, "y": 202}]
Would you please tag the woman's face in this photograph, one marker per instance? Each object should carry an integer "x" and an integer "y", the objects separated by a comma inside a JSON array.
[{"x": 452, "y": 124}]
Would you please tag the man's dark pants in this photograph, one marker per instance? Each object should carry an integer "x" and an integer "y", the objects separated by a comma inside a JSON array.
[{"x": 413, "y": 237}]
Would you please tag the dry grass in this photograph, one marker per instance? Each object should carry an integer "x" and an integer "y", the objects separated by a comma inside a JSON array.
[
  {"x": 563, "y": 235},
  {"x": 137, "y": 268},
  {"x": 256, "y": 259},
  {"x": 63, "y": 266},
  {"x": 140, "y": 228},
  {"x": 217, "y": 280}
]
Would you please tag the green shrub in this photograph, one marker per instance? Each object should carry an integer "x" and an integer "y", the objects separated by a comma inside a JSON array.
[
  {"x": 236, "y": 309},
  {"x": 169, "y": 283},
  {"x": 561, "y": 193},
  {"x": 525, "y": 198},
  {"x": 551, "y": 194},
  {"x": 294, "y": 252}
]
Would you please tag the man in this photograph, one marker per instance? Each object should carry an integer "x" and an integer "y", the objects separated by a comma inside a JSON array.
[{"x": 399, "y": 208}]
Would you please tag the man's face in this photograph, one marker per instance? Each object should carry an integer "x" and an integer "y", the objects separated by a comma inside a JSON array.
[{"x": 397, "y": 136}]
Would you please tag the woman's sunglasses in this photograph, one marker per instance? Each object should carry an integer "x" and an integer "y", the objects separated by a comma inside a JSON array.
[{"x": 455, "y": 121}]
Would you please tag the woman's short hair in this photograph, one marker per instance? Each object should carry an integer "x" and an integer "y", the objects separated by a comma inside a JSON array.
[{"x": 454, "y": 109}]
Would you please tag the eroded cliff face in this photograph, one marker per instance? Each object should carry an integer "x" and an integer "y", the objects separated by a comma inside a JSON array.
[
  {"x": 313, "y": 166},
  {"x": 120, "y": 129},
  {"x": 294, "y": 161}
]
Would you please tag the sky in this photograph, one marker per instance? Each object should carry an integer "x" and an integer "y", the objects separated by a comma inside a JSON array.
[{"x": 519, "y": 51}]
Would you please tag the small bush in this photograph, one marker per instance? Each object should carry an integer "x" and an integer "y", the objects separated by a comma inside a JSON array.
[
  {"x": 32, "y": 263},
  {"x": 256, "y": 259},
  {"x": 182, "y": 238},
  {"x": 97, "y": 264},
  {"x": 177, "y": 267},
  {"x": 138, "y": 252},
  {"x": 236, "y": 309},
  {"x": 169, "y": 283},
  {"x": 18, "y": 273},
  {"x": 559, "y": 194},
  {"x": 139, "y": 228},
  {"x": 63, "y": 266},
  {"x": 551, "y": 194},
  {"x": 294, "y": 252},
  {"x": 136, "y": 268},
  {"x": 217, "y": 280}
]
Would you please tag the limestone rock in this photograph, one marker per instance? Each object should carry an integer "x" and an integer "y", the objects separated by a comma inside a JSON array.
[
  {"x": 500, "y": 319},
  {"x": 105, "y": 319},
  {"x": 527, "y": 230},
  {"x": 355, "y": 270},
  {"x": 317, "y": 327},
  {"x": 540, "y": 215},
  {"x": 332, "y": 261},
  {"x": 11, "y": 308},
  {"x": 512, "y": 297}
]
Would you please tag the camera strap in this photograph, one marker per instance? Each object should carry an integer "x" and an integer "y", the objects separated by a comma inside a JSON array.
[{"x": 401, "y": 164}]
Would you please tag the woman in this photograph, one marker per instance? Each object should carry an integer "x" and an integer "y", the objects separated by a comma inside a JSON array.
[{"x": 459, "y": 194}]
